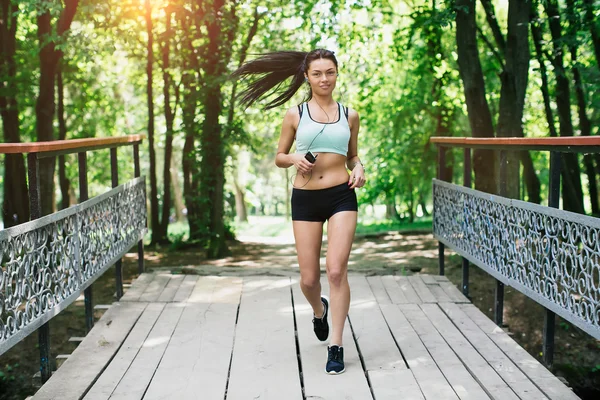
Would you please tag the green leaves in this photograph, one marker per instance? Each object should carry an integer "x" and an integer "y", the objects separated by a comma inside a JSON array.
[{"x": 398, "y": 69}]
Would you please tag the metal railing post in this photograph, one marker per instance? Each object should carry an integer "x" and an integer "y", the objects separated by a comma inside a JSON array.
[
  {"x": 137, "y": 173},
  {"x": 83, "y": 196},
  {"x": 553, "y": 201},
  {"x": 35, "y": 202},
  {"x": 114, "y": 173},
  {"x": 499, "y": 294},
  {"x": 466, "y": 183},
  {"x": 35, "y": 206},
  {"x": 441, "y": 176}
]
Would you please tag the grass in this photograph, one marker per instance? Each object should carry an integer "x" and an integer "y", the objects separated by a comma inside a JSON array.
[
  {"x": 264, "y": 226},
  {"x": 278, "y": 226},
  {"x": 422, "y": 224}
]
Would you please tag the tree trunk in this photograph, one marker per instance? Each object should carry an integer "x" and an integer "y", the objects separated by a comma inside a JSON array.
[
  {"x": 190, "y": 181},
  {"x": 411, "y": 204},
  {"x": 537, "y": 35},
  {"x": 391, "y": 212},
  {"x": 62, "y": 135},
  {"x": 15, "y": 209},
  {"x": 15, "y": 202},
  {"x": 442, "y": 129},
  {"x": 532, "y": 181},
  {"x": 515, "y": 50},
  {"x": 480, "y": 118},
  {"x": 190, "y": 185},
  {"x": 243, "y": 54},
  {"x": 154, "y": 221},
  {"x": 591, "y": 22},
  {"x": 585, "y": 125},
  {"x": 426, "y": 213},
  {"x": 490, "y": 15},
  {"x": 178, "y": 205},
  {"x": 212, "y": 163},
  {"x": 436, "y": 57},
  {"x": 242, "y": 165},
  {"x": 572, "y": 191},
  {"x": 169, "y": 118},
  {"x": 514, "y": 85},
  {"x": 45, "y": 104},
  {"x": 590, "y": 171},
  {"x": 240, "y": 203},
  {"x": 45, "y": 111},
  {"x": 189, "y": 109}
]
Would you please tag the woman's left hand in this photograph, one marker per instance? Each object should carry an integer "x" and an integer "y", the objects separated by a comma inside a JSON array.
[{"x": 357, "y": 177}]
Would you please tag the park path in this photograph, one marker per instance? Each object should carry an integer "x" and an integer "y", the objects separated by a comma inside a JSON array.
[{"x": 390, "y": 253}]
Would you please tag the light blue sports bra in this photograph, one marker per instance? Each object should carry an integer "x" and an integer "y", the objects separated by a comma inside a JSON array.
[{"x": 322, "y": 137}]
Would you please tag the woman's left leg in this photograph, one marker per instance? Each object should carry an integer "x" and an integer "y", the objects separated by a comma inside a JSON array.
[{"x": 340, "y": 234}]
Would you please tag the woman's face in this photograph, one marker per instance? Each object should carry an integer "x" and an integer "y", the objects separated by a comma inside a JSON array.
[{"x": 322, "y": 75}]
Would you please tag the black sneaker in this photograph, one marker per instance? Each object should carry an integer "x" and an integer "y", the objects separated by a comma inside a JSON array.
[
  {"x": 335, "y": 360},
  {"x": 321, "y": 326}
]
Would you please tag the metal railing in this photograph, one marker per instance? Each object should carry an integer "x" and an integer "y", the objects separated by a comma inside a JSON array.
[
  {"x": 550, "y": 255},
  {"x": 46, "y": 263}
]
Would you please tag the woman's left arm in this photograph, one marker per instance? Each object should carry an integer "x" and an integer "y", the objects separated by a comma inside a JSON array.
[{"x": 357, "y": 176}]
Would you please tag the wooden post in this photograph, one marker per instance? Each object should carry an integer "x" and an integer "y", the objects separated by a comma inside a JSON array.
[
  {"x": 114, "y": 172},
  {"x": 35, "y": 206}
]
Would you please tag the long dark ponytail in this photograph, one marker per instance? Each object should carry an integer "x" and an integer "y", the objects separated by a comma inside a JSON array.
[{"x": 268, "y": 72}]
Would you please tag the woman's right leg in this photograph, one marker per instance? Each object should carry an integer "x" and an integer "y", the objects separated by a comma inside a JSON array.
[{"x": 309, "y": 237}]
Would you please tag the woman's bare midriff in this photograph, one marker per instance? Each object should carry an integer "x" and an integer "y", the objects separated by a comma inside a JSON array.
[{"x": 329, "y": 170}]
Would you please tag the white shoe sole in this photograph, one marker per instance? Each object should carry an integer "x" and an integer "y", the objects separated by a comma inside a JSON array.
[{"x": 335, "y": 373}]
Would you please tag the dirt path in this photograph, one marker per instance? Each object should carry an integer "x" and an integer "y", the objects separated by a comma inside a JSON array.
[{"x": 381, "y": 254}]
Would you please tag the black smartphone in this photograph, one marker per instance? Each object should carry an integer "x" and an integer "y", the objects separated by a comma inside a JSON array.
[{"x": 310, "y": 157}]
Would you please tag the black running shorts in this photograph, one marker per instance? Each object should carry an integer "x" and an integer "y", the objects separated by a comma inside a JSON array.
[{"x": 319, "y": 205}]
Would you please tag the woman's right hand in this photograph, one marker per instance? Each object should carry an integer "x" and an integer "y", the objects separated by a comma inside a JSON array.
[{"x": 303, "y": 166}]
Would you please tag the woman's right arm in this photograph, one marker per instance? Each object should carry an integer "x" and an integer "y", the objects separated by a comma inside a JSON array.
[{"x": 288, "y": 131}]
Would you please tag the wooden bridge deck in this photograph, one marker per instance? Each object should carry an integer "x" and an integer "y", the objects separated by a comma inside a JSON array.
[{"x": 200, "y": 337}]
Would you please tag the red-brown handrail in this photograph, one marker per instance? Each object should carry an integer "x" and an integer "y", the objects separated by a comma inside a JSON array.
[
  {"x": 575, "y": 144},
  {"x": 71, "y": 144}
]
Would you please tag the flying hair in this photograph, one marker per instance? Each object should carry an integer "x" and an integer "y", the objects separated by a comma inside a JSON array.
[{"x": 265, "y": 76}]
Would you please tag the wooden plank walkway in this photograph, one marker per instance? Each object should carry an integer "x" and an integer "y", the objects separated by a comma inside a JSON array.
[{"x": 204, "y": 337}]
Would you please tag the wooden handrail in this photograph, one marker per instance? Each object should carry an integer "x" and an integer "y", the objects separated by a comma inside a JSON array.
[
  {"x": 529, "y": 143},
  {"x": 65, "y": 145}
]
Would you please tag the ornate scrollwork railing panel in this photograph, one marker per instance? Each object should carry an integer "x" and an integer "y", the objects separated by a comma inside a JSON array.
[
  {"x": 550, "y": 255},
  {"x": 46, "y": 263},
  {"x": 110, "y": 227}
]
